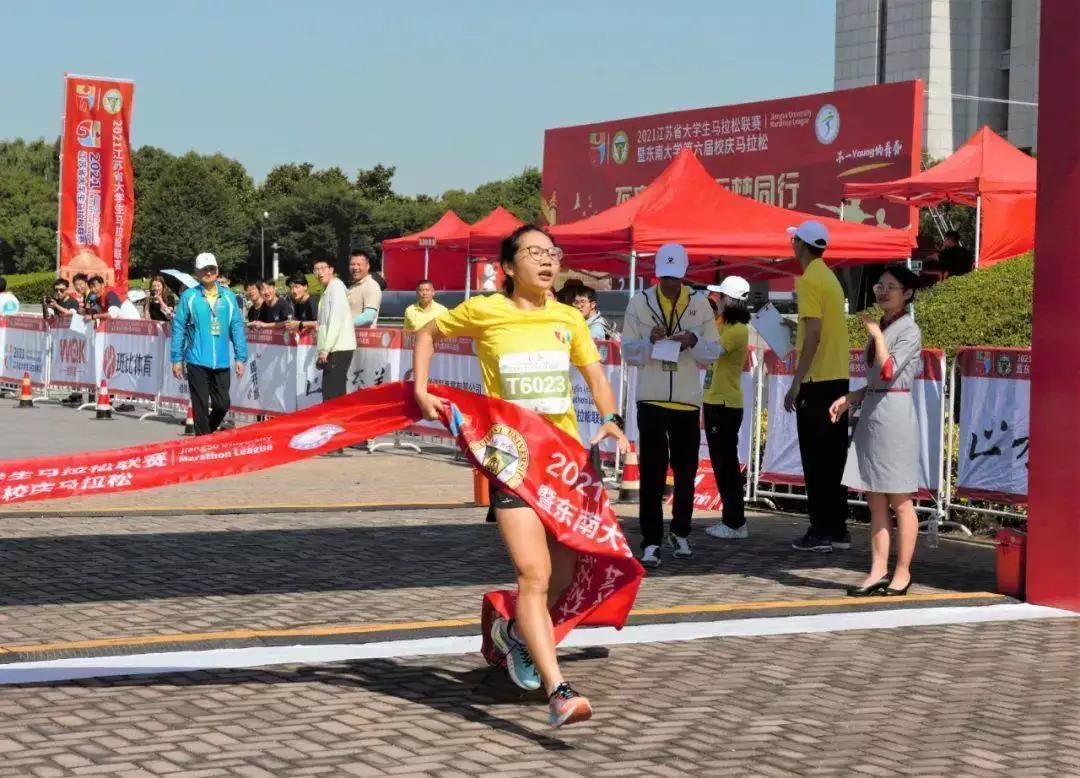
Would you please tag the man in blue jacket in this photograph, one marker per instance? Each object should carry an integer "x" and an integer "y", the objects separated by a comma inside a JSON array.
[{"x": 208, "y": 317}]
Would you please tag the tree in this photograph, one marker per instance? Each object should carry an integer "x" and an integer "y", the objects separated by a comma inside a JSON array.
[
  {"x": 29, "y": 180},
  {"x": 313, "y": 213},
  {"x": 195, "y": 204}
]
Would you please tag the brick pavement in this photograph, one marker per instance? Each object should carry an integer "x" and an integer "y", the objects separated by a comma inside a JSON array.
[
  {"x": 962, "y": 700},
  {"x": 84, "y": 578}
]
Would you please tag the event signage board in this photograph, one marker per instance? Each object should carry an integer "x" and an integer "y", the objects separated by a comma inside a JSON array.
[
  {"x": 97, "y": 192},
  {"x": 995, "y": 416},
  {"x": 796, "y": 153},
  {"x": 22, "y": 343},
  {"x": 782, "y": 463}
]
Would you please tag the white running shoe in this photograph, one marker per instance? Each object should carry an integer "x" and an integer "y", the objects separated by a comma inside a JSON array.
[
  {"x": 651, "y": 557},
  {"x": 724, "y": 532},
  {"x": 681, "y": 546}
]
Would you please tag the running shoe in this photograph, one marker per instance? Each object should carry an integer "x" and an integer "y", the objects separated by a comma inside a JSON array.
[
  {"x": 567, "y": 706},
  {"x": 681, "y": 546},
  {"x": 842, "y": 542},
  {"x": 724, "y": 532},
  {"x": 810, "y": 543},
  {"x": 519, "y": 662},
  {"x": 651, "y": 557}
]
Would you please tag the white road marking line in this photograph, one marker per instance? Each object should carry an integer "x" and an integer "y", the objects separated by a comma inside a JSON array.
[{"x": 54, "y": 670}]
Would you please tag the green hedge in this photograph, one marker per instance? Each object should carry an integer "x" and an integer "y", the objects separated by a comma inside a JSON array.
[
  {"x": 990, "y": 307},
  {"x": 31, "y": 287}
]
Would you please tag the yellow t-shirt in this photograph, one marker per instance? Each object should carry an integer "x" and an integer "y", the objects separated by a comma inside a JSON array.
[
  {"x": 525, "y": 356},
  {"x": 821, "y": 297},
  {"x": 416, "y": 317},
  {"x": 665, "y": 311},
  {"x": 723, "y": 380}
]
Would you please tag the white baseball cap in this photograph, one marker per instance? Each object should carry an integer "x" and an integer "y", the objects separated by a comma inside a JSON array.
[
  {"x": 205, "y": 260},
  {"x": 672, "y": 261},
  {"x": 735, "y": 287},
  {"x": 812, "y": 233}
]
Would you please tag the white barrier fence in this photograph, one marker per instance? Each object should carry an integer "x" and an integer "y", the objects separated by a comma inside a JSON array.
[{"x": 281, "y": 376}]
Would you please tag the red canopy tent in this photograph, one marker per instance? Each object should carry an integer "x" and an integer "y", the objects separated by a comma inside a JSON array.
[
  {"x": 437, "y": 253},
  {"x": 485, "y": 240},
  {"x": 685, "y": 205},
  {"x": 987, "y": 172},
  {"x": 487, "y": 235}
]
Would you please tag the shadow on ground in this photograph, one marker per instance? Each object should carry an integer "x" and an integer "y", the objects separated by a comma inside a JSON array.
[{"x": 111, "y": 567}]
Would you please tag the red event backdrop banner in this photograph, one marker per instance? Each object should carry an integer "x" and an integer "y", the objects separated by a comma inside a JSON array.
[
  {"x": 796, "y": 153},
  {"x": 512, "y": 446},
  {"x": 97, "y": 193}
]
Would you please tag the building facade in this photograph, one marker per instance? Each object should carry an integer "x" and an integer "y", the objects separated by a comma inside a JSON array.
[{"x": 961, "y": 49}]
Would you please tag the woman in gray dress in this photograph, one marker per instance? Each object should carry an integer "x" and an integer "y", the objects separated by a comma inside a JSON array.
[{"x": 883, "y": 460}]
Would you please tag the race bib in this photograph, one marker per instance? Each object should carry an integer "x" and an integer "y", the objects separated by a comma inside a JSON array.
[{"x": 537, "y": 380}]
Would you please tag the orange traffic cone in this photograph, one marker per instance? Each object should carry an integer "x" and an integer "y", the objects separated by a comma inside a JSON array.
[
  {"x": 104, "y": 405},
  {"x": 26, "y": 395},
  {"x": 630, "y": 487},
  {"x": 189, "y": 422}
]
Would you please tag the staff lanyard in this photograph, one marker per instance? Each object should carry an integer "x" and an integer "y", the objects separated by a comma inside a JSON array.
[{"x": 215, "y": 328}]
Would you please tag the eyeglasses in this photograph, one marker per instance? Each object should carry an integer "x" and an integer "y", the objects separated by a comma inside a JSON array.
[
  {"x": 887, "y": 289},
  {"x": 537, "y": 254}
]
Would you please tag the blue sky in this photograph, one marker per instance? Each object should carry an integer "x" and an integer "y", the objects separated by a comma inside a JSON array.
[{"x": 452, "y": 93}]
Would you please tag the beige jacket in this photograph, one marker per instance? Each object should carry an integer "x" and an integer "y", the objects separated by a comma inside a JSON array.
[{"x": 653, "y": 382}]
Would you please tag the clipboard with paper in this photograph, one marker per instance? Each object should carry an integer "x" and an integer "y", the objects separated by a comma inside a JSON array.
[{"x": 771, "y": 326}]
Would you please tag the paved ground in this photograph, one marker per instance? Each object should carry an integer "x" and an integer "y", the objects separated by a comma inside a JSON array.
[
  {"x": 359, "y": 478},
  {"x": 971, "y": 699},
  {"x": 974, "y": 700}
]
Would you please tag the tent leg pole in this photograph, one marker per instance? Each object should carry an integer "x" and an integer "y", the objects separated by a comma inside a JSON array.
[
  {"x": 633, "y": 270},
  {"x": 978, "y": 229},
  {"x": 468, "y": 276},
  {"x": 425, "y": 263}
]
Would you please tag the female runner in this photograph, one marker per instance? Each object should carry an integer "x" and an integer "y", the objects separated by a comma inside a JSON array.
[{"x": 522, "y": 333}]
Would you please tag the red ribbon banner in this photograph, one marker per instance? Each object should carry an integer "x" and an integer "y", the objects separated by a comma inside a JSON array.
[{"x": 514, "y": 447}]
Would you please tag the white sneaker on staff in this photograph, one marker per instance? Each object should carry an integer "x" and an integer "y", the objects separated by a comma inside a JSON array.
[
  {"x": 651, "y": 557},
  {"x": 724, "y": 532}
]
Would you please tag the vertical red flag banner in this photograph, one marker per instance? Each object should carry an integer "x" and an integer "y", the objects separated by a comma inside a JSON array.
[{"x": 97, "y": 193}]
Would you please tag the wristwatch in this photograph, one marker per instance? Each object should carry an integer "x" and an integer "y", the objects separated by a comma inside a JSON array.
[{"x": 619, "y": 421}]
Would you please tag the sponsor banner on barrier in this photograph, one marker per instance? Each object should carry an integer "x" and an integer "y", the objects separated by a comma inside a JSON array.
[
  {"x": 73, "y": 358},
  {"x": 23, "y": 343},
  {"x": 131, "y": 356},
  {"x": 995, "y": 413},
  {"x": 268, "y": 385},
  {"x": 588, "y": 417},
  {"x": 377, "y": 360},
  {"x": 782, "y": 463},
  {"x": 173, "y": 390}
]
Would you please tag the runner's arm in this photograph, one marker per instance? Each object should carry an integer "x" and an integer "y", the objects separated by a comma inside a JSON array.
[{"x": 423, "y": 351}]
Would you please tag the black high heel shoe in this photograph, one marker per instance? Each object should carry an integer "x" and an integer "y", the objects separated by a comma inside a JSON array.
[
  {"x": 869, "y": 591},
  {"x": 890, "y": 592}
]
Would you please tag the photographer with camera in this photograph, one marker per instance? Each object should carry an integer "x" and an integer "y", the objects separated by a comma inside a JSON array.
[
  {"x": 60, "y": 303},
  {"x": 159, "y": 303}
]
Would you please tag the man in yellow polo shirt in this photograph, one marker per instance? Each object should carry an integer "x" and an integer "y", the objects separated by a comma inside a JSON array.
[
  {"x": 424, "y": 309},
  {"x": 821, "y": 376}
]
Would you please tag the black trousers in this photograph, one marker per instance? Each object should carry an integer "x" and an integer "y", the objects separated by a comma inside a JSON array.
[
  {"x": 823, "y": 449},
  {"x": 335, "y": 374},
  {"x": 666, "y": 436},
  {"x": 722, "y": 433},
  {"x": 209, "y": 389}
]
